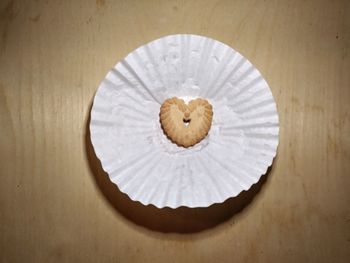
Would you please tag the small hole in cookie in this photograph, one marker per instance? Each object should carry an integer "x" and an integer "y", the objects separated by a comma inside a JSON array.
[{"x": 186, "y": 121}]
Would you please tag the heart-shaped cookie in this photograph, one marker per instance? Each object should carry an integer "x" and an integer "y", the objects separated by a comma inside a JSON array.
[{"x": 185, "y": 124}]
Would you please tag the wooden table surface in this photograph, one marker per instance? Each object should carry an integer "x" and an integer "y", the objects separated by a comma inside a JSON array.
[{"x": 56, "y": 203}]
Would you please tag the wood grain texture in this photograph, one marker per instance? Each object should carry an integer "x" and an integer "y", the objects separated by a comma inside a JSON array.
[{"x": 56, "y": 204}]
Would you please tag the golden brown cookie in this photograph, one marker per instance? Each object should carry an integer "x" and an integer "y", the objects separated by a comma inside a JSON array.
[{"x": 185, "y": 124}]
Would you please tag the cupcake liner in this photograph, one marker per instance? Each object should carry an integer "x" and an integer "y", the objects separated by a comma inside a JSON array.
[{"x": 144, "y": 163}]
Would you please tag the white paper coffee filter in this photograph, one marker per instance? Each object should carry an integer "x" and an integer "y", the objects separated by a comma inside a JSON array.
[{"x": 138, "y": 157}]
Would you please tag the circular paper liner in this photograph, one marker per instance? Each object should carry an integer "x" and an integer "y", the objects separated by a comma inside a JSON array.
[{"x": 143, "y": 163}]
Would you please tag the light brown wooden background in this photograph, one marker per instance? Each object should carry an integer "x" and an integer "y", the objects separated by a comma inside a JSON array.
[{"x": 56, "y": 204}]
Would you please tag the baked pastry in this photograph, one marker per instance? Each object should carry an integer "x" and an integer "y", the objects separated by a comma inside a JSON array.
[{"x": 185, "y": 124}]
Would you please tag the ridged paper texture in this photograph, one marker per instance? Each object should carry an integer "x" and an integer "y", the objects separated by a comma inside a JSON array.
[{"x": 143, "y": 163}]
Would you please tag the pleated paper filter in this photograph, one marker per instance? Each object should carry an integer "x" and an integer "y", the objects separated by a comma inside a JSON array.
[{"x": 128, "y": 139}]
